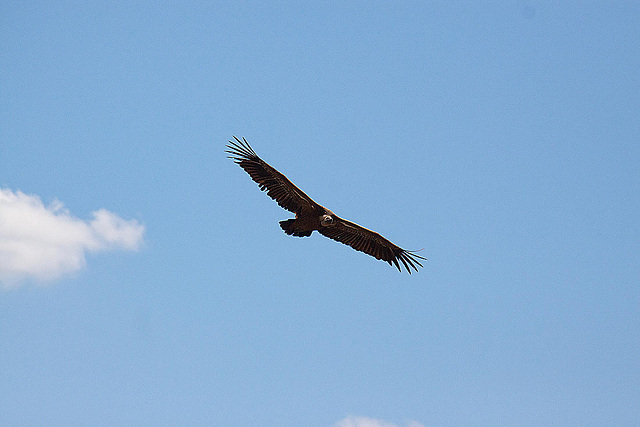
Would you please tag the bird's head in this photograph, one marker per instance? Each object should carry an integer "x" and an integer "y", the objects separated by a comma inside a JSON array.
[{"x": 326, "y": 220}]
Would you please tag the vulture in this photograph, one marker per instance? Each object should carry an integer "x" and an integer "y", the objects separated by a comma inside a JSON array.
[{"x": 310, "y": 216}]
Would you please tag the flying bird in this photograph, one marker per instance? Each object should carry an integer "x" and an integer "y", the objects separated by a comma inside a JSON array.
[{"x": 310, "y": 216}]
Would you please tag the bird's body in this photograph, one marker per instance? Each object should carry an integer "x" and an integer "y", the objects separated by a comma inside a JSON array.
[{"x": 310, "y": 216}]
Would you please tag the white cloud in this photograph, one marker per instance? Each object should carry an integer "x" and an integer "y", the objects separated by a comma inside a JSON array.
[
  {"x": 353, "y": 421},
  {"x": 47, "y": 242}
]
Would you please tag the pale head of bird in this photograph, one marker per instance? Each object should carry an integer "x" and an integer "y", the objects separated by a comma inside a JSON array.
[{"x": 326, "y": 220}]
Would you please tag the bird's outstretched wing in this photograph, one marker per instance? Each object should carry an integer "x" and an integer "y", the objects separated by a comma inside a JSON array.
[
  {"x": 277, "y": 186},
  {"x": 370, "y": 242}
]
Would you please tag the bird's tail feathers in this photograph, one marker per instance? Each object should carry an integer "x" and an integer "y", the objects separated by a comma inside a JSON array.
[{"x": 289, "y": 228}]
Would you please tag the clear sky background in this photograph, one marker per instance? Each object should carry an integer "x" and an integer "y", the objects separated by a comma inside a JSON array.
[{"x": 145, "y": 279}]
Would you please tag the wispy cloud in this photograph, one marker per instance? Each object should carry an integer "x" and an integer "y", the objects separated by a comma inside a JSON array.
[
  {"x": 353, "y": 421},
  {"x": 47, "y": 242}
]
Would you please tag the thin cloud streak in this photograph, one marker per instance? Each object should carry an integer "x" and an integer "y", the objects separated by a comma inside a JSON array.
[
  {"x": 46, "y": 243},
  {"x": 356, "y": 421}
]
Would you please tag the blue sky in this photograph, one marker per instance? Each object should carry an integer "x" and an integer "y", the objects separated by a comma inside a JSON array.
[{"x": 145, "y": 279}]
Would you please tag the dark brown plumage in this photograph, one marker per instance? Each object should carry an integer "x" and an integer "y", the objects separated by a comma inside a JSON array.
[{"x": 311, "y": 216}]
